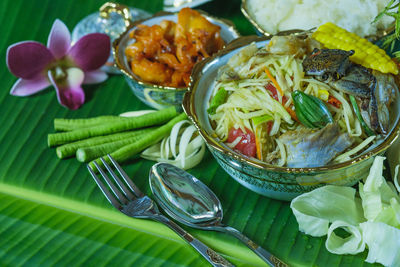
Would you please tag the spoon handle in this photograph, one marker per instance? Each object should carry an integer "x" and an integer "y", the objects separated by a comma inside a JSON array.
[
  {"x": 210, "y": 255},
  {"x": 262, "y": 253}
]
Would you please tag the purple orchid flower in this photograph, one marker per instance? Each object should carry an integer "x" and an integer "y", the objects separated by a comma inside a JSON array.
[{"x": 59, "y": 64}]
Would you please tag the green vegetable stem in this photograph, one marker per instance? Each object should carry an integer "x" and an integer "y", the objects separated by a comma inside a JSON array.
[
  {"x": 126, "y": 152},
  {"x": 310, "y": 110},
  {"x": 86, "y": 154},
  {"x": 68, "y": 150},
  {"x": 61, "y": 124},
  {"x": 367, "y": 130},
  {"x": 131, "y": 123}
]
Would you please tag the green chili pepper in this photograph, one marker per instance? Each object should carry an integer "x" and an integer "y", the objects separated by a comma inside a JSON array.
[{"x": 310, "y": 110}]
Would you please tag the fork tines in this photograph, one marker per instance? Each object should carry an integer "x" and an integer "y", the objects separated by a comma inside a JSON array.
[{"x": 122, "y": 195}]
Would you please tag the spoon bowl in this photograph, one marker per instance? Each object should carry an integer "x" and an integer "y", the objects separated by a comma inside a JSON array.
[{"x": 186, "y": 199}]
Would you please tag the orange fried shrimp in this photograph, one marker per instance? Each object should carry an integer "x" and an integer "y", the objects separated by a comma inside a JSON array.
[
  {"x": 171, "y": 61},
  {"x": 169, "y": 29},
  {"x": 153, "y": 72},
  {"x": 176, "y": 79},
  {"x": 190, "y": 20},
  {"x": 180, "y": 79},
  {"x": 150, "y": 37},
  {"x": 185, "y": 52},
  {"x": 165, "y": 54},
  {"x": 134, "y": 50}
]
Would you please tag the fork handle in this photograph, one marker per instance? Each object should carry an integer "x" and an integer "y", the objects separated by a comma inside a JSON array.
[{"x": 210, "y": 255}]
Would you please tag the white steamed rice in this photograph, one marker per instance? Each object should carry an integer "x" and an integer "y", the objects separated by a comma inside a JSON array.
[{"x": 353, "y": 15}]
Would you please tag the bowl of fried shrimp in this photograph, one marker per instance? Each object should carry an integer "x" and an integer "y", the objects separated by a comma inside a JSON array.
[
  {"x": 285, "y": 115},
  {"x": 156, "y": 55}
]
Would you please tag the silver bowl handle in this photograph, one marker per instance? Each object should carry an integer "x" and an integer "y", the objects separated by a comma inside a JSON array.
[{"x": 109, "y": 7}]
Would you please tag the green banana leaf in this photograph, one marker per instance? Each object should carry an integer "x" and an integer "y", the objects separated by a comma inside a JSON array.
[{"x": 53, "y": 214}]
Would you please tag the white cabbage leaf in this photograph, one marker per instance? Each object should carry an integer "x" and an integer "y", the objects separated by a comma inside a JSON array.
[
  {"x": 383, "y": 243},
  {"x": 372, "y": 221},
  {"x": 315, "y": 210},
  {"x": 379, "y": 198},
  {"x": 351, "y": 244}
]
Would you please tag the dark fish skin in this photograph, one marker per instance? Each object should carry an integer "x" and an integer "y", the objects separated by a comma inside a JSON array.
[
  {"x": 358, "y": 82},
  {"x": 384, "y": 94},
  {"x": 373, "y": 113},
  {"x": 310, "y": 148},
  {"x": 375, "y": 109},
  {"x": 363, "y": 105}
]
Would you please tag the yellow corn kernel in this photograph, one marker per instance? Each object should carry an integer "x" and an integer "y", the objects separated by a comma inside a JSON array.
[
  {"x": 383, "y": 69},
  {"x": 366, "y": 53},
  {"x": 323, "y": 94},
  {"x": 369, "y": 59}
]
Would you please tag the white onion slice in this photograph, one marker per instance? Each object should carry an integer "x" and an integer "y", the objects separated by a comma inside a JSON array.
[
  {"x": 174, "y": 135},
  {"x": 186, "y": 154},
  {"x": 185, "y": 139}
]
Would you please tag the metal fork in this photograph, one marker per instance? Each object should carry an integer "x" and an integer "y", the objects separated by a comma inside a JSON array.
[{"x": 132, "y": 202}]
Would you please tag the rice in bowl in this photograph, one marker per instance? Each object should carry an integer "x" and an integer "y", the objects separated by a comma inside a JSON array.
[{"x": 354, "y": 15}]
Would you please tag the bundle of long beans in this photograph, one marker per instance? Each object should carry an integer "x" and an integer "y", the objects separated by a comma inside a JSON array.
[{"x": 121, "y": 137}]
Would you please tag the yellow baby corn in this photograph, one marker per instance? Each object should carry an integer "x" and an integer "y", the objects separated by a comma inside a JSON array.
[{"x": 366, "y": 53}]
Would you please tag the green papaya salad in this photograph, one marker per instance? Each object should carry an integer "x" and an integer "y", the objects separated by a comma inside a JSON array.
[{"x": 294, "y": 103}]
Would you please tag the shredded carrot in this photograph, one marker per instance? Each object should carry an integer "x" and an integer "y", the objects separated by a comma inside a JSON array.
[
  {"x": 334, "y": 101},
  {"x": 292, "y": 114},
  {"x": 258, "y": 146},
  {"x": 274, "y": 81}
]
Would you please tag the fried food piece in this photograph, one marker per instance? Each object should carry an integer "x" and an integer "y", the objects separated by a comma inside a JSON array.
[
  {"x": 165, "y": 54},
  {"x": 149, "y": 71},
  {"x": 198, "y": 31}
]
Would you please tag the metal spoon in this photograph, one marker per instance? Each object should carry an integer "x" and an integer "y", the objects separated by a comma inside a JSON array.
[{"x": 189, "y": 201}]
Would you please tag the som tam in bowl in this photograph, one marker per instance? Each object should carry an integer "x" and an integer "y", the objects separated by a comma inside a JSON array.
[
  {"x": 158, "y": 71},
  {"x": 328, "y": 145}
]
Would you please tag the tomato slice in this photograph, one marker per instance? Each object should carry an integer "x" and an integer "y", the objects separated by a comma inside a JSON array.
[
  {"x": 334, "y": 101},
  {"x": 247, "y": 145},
  {"x": 274, "y": 93}
]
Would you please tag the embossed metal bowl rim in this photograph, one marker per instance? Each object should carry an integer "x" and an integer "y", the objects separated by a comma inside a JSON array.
[
  {"x": 189, "y": 108},
  {"x": 291, "y": 181},
  {"x": 249, "y": 17},
  {"x": 128, "y": 73}
]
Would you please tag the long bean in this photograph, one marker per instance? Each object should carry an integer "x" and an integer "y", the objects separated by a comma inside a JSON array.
[
  {"x": 86, "y": 154},
  {"x": 145, "y": 120},
  {"x": 68, "y": 150},
  {"x": 126, "y": 152},
  {"x": 61, "y": 124}
]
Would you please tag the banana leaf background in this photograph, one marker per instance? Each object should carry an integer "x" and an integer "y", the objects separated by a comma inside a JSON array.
[{"x": 53, "y": 214}]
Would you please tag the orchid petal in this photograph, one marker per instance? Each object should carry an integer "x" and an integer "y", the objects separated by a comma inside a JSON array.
[
  {"x": 23, "y": 87},
  {"x": 69, "y": 91},
  {"x": 28, "y": 60},
  {"x": 95, "y": 76},
  {"x": 91, "y": 51},
  {"x": 59, "y": 40}
]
